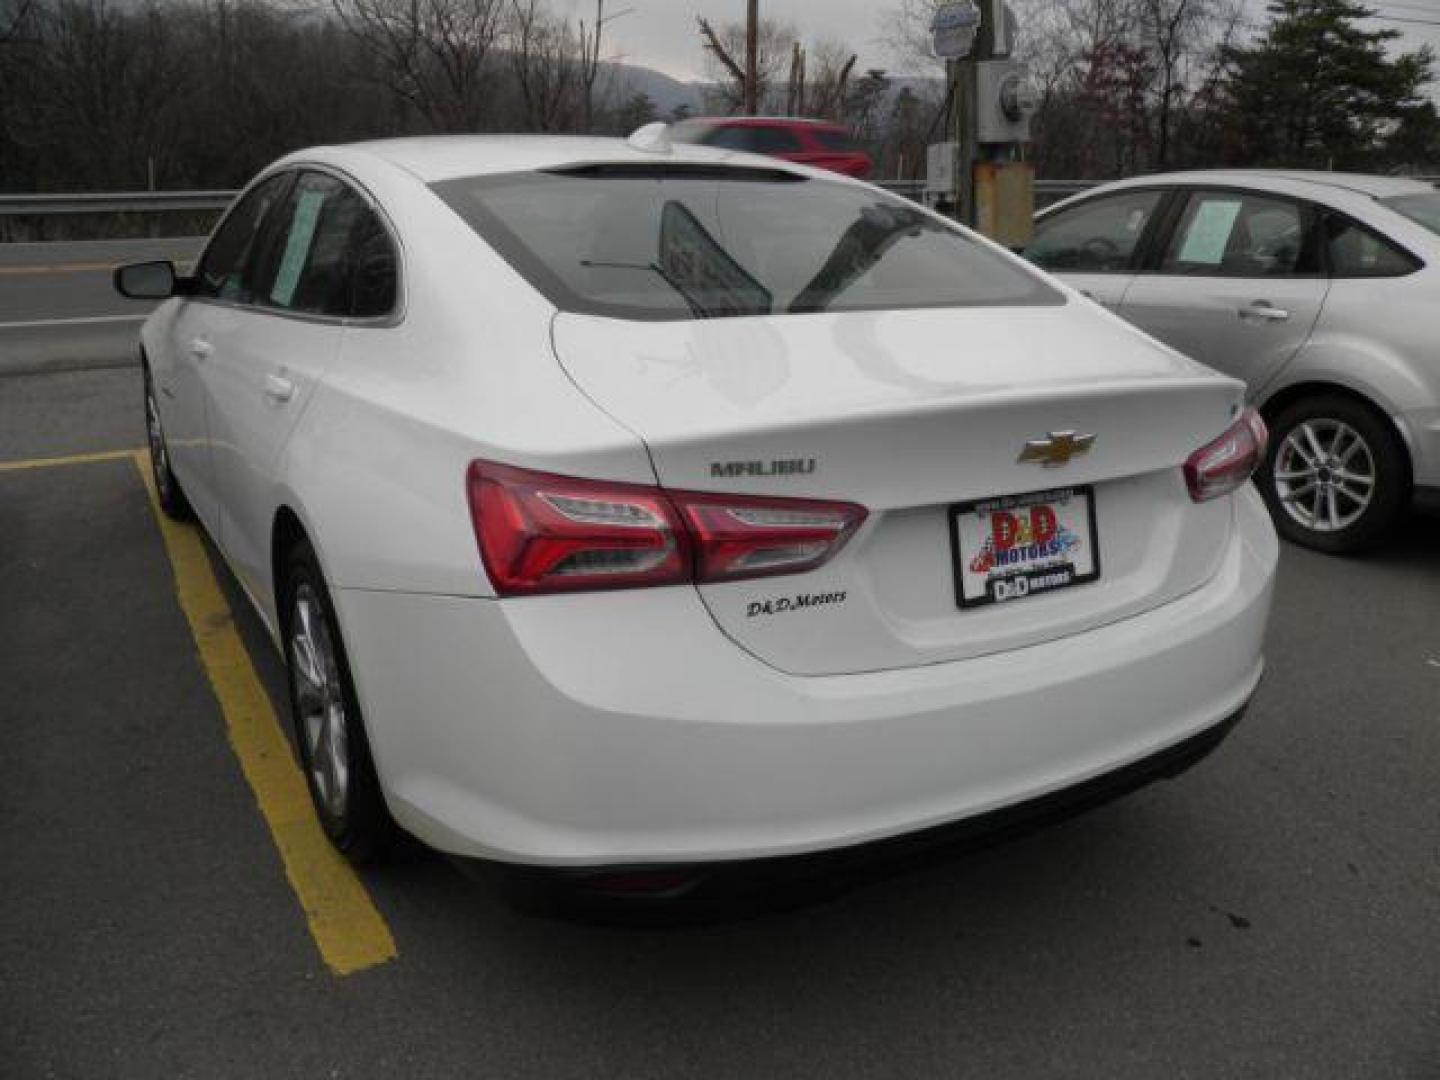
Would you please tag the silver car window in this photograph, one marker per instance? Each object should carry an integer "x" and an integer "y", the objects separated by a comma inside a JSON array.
[
  {"x": 1239, "y": 234},
  {"x": 1096, "y": 237},
  {"x": 1424, "y": 209}
]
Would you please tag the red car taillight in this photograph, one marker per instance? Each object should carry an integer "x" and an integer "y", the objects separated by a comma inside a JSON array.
[
  {"x": 541, "y": 533},
  {"x": 1221, "y": 466},
  {"x": 748, "y": 536}
]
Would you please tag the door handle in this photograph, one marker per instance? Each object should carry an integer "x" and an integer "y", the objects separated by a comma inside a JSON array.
[
  {"x": 201, "y": 349},
  {"x": 279, "y": 389},
  {"x": 1265, "y": 311}
]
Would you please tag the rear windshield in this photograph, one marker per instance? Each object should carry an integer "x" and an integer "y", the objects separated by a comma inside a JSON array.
[
  {"x": 697, "y": 242},
  {"x": 1422, "y": 208}
]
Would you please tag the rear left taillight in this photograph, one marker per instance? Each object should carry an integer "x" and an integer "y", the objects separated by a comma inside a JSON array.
[
  {"x": 1221, "y": 466},
  {"x": 542, "y": 533}
]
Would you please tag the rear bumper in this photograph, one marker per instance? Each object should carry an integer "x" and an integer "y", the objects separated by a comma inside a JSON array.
[
  {"x": 624, "y": 728},
  {"x": 742, "y": 878}
]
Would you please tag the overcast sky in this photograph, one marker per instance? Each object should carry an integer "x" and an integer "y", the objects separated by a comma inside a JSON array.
[{"x": 661, "y": 34}]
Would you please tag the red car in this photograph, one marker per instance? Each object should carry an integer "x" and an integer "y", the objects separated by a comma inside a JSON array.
[{"x": 820, "y": 143}]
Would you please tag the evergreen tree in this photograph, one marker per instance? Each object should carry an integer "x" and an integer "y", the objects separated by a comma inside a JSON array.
[{"x": 1317, "y": 90}]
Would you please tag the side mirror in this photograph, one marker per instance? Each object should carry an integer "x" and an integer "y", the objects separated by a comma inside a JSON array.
[{"x": 146, "y": 281}]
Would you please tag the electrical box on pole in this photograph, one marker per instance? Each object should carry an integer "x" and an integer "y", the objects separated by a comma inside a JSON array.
[{"x": 990, "y": 102}]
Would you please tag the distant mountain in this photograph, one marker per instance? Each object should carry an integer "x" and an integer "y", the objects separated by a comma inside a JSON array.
[{"x": 669, "y": 93}]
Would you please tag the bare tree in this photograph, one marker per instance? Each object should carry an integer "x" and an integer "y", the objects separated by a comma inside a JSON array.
[
  {"x": 1184, "y": 39},
  {"x": 1116, "y": 78},
  {"x": 590, "y": 62},
  {"x": 13, "y": 14},
  {"x": 830, "y": 81},
  {"x": 735, "y": 88},
  {"x": 545, "y": 58},
  {"x": 431, "y": 54}
]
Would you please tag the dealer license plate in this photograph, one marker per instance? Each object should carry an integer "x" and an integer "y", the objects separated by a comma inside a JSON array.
[{"x": 1017, "y": 546}]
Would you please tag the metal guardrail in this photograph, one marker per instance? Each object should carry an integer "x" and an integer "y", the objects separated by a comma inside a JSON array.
[{"x": 101, "y": 202}]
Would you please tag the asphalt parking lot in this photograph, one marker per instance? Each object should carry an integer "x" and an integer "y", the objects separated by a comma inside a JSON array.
[{"x": 1273, "y": 913}]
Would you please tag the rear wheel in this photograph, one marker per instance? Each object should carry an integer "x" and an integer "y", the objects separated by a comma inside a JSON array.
[
  {"x": 167, "y": 489},
  {"x": 334, "y": 752},
  {"x": 1336, "y": 475}
]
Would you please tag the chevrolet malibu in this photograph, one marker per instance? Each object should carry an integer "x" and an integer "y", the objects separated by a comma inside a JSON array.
[{"x": 630, "y": 508}]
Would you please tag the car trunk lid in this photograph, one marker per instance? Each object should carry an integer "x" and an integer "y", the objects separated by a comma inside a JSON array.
[{"x": 912, "y": 414}]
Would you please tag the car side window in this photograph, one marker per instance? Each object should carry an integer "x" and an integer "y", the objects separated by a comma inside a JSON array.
[
  {"x": 330, "y": 254},
  {"x": 1355, "y": 251},
  {"x": 730, "y": 138},
  {"x": 1097, "y": 237},
  {"x": 222, "y": 270},
  {"x": 837, "y": 141},
  {"x": 1235, "y": 234},
  {"x": 373, "y": 270},
  {"x": 770, "y": 140}
]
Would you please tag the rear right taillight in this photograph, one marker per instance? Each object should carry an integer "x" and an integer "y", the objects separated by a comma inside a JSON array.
[
  {"x": 1221, "y": 466},
  {"x": 543, "y": 533}
]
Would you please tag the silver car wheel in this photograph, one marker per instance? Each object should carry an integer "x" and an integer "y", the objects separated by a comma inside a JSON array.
[
  {"x": 320, "y": 701},
  {"x": 1324, "y": 475}
]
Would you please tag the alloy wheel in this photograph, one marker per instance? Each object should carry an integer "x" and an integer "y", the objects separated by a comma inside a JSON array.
[
  {"x": 1324, "y": 475},
  {"x": 155, "y": 436},
  {"x": 320, "y": 701}
]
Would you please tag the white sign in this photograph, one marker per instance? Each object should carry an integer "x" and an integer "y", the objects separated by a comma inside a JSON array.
[
  {"x": 940, "y": 168},
  {"x": 953, "y": 29}
]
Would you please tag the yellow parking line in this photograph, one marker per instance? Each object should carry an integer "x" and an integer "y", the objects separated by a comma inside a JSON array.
[
  {"x": 73, "y": 459},
  {"x": 349, "y": 932},
  {"x": 56, "y": 268}
]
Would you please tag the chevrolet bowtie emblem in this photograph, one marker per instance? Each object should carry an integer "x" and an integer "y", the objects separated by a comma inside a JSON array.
[{"x": 1056, "y": 448}]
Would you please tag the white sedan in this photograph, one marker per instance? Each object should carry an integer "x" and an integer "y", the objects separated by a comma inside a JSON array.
[{"x": 625, "y": 505}]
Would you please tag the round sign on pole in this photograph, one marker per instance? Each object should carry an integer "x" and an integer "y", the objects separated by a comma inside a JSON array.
[{"x": 953, "y": 29}]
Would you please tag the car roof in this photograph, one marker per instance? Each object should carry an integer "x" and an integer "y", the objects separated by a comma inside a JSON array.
[
  {"x": 433, "y": 158},
  {"x": 1301, "y": 182}
]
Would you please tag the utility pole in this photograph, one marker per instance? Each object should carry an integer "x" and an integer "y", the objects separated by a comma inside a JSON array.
[
  {"x": 966, "y": 111},
  {"x": 752, "y": 66},
  {"x": 979, "y": 169}
]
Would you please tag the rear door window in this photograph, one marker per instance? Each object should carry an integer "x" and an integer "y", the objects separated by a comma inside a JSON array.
[
  {"x": 1097, "y": 237},
  {"x": 1236, "y": 234},
  {"x": 330, "y": 254}
]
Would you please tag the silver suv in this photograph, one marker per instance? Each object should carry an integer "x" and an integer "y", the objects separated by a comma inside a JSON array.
[{"x": 1320, "y": 290}]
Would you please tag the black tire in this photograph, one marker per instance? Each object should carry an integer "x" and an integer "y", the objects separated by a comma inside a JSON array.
[
  {"x": 1365, "y": 438},
  {"x": 167, "y": 489},
  {"x": 352, "y": 811}
]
